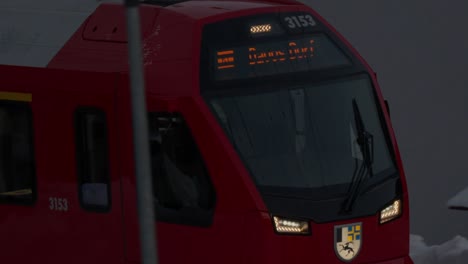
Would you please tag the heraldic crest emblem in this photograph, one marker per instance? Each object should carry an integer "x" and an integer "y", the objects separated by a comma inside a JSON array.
[{"x": 348, "y": 240}]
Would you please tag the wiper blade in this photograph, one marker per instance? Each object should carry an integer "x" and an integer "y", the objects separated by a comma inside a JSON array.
[{"x": 365, "y": 141}]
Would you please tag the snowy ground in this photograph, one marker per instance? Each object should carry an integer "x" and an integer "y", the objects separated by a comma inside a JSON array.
[
  {"x": 459, "y": 201},
  {"x": 454, "y": 251}
]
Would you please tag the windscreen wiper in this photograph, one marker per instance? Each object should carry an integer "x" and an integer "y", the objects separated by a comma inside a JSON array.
[{"x": 365, "y": 141}]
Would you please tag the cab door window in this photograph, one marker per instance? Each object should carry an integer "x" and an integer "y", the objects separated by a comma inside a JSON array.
[{"x": 182, "y": 188}]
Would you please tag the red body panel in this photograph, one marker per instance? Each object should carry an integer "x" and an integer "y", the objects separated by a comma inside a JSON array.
[
  {"x": 91, "y": 70},
  {"x": 37, "y": 234}
]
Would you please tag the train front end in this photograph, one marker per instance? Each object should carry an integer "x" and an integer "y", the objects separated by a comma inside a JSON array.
[{"x": 304, "y": 115}]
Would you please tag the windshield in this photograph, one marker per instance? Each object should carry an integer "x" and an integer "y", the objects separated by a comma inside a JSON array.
[{"x": 304, "y": 136}]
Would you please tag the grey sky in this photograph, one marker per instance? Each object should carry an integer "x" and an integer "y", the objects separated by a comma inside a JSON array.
[{"x": 32, "y": 32}]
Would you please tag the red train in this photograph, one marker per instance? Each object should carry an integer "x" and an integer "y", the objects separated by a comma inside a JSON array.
[{"x": 270, "y": 143}]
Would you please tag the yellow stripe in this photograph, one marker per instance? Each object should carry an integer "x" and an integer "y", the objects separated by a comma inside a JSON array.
[
  {"x": 18, "y": 192},
  {"x": 23, "y": 97}
]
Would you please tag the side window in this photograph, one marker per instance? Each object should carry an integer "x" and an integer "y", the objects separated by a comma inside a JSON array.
[
  {"x": 182, "y": 187},
  {"x": 92, "y": 159},
  {"x": 17, "y": 170}
]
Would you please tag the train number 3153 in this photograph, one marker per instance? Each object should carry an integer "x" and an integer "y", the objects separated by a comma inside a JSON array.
[
  {"x": 300, "y": 21},
  {"x": 58, "y": 204}
]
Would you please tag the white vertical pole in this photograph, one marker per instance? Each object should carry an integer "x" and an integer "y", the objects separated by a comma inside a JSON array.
[{"x": 140, "y": 137}]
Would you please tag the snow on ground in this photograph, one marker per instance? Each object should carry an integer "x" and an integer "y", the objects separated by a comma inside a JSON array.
[
  {"x": 454, "y": 251},
  {"x": 459, "y": 201}
]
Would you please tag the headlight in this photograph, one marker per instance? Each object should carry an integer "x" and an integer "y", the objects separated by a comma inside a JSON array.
[
  {"x": 293, "y": 227},
  {"x": 390, "y": 212}
]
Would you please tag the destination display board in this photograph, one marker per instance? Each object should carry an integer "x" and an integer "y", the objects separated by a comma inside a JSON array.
[{"x": 305, "y": 53}]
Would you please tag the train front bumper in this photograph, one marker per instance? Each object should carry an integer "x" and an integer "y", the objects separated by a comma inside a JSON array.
[{"x": 404, "y": 260}]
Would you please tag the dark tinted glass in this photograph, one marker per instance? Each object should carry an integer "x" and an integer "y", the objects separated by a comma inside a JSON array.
[
  {"x": 92, "y": 158},
  {"x": 304, "y": 136},
  {"x": 17, "y": 173},
  {"x": 183, "y": 190}
]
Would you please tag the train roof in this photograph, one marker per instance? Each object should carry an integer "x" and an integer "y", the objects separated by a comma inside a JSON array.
[{"x": 33, "y": 34}]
